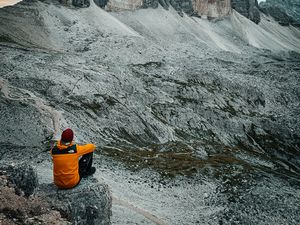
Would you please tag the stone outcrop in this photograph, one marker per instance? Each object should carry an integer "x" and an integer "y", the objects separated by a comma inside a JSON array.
[
  {"x": 81, "y": 3},
  {"x": 207, "y": 8},
  {"x": 101, "y": 3},
  {"x": 153, "y": 4},
  {"x": 17, "y": 207},
  {"x": 76, "y": 3},
  {"x": 88, "y": 203},
  {"x": 212, "y": 8},
  {"x": 248, "y": 8},
  {"x": 284, "y": 12}
]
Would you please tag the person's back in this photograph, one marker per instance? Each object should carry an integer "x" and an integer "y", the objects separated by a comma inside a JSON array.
[{"x": 67, "y": 168}]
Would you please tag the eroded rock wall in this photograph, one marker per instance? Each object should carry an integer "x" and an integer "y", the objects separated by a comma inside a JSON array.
[
  {"x": 89, "y": 203},
  {"x": 212, "y": 8},
  {"x": 284, "y": 12},
  {"x": 79, "y": 3},
  {"x": 248, "y": 8},
  {"x": 206, "y": 8},
  {"x": 179, "y": 5},
  {"x": 209, "y": 8}
]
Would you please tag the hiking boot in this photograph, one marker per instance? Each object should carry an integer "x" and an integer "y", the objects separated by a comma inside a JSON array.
[{"x": 90, "y": 171}]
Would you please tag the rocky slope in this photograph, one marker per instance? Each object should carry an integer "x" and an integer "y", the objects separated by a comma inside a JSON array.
[
  {"x": 285, "y": 12},
  {"x": 191, "y": 118}
]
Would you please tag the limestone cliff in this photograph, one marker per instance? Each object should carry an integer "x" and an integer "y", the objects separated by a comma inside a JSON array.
[
  {"x": 206, "y": 8},
  {"x": 212, "y": 8}
]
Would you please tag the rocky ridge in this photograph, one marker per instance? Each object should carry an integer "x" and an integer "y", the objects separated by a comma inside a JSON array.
[
  {"x": 210, "y": 9},
  {"x": 285, "y": 12}
]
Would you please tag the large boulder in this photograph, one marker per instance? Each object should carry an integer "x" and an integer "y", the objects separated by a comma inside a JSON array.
[
  {"x": 89, "y": 203},
  {"x": 18, "y": 205}
]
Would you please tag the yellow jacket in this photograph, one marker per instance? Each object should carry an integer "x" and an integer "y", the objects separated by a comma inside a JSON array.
[{"x": 65, "y": 163}]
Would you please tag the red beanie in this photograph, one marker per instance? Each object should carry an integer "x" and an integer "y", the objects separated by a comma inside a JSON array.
[{"x": 67, "y": 136}]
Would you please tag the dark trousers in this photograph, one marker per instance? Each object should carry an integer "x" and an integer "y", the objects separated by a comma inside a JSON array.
[{"x": 85, "y": 164}]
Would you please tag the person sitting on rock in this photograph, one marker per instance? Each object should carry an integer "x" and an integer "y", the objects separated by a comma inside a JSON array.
[{"x": 71, "y": 162}]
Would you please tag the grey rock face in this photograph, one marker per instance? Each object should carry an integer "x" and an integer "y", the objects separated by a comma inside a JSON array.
[
  {"x": 81, "y": 3},
  {"x": 248, "y": 8},
  {"x": 101, "y": 3},
  {"x": 285, "y": 12},
  {"x": 278, "y": 14},
  {"x": 151, "y": 3},
  {"x": 184, "y": 5},
  {"x": 212, "y": 9},
  {"x": 179, "y": 5},
  {"x": 89, "y": 203}
]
